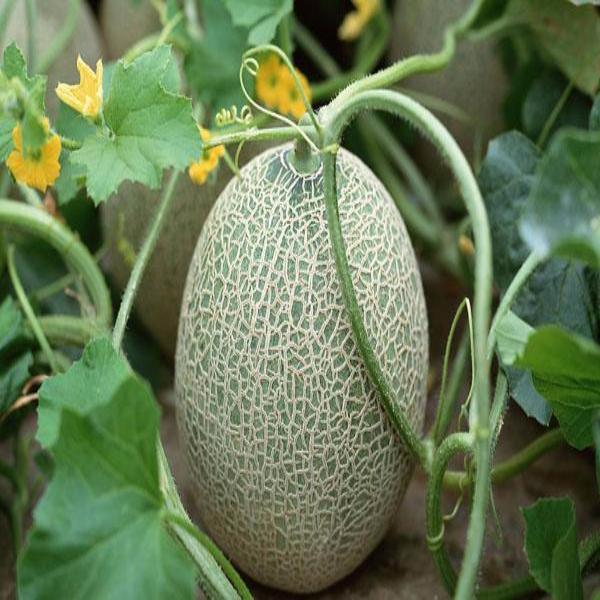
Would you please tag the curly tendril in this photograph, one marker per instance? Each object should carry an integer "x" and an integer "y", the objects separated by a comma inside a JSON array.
[{"x": 229, "y": 116}]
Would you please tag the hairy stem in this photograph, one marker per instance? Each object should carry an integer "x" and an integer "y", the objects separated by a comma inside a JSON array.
[
  {"x": 420, "y": 63},
  {"x": 143, "y": 257},
  {"x": 36, "y": 222},
  {"x": 417, "y": 448}
]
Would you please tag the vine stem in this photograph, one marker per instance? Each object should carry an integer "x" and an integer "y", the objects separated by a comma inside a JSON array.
[
  {"x": 143, "y": 257},
  {"x": 517, "y": 463},
  {"x": 37, "y": 222},
  {"x": 220, "y": 558},
  {"x": 28, "y": 310},
  {"x": 420, "y": 63},
  {"x": 335, "y": 117}
]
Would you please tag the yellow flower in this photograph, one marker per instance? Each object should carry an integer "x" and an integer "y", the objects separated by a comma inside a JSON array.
[
  {"x": 86, "y": 96},
  {"x": 290, "y": 101},
  {"x": 268, "y": 81},
  {"x": 276, "y": 88},
  {"x": 198, "y": 171},
  {"x": 354, "y": 22},
  {"x": 38, "y": 171}
]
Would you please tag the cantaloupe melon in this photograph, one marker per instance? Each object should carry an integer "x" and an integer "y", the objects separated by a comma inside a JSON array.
[
  {"x": 51, "y": 17},
  {"x": 297, "y": 468},
  {"x": 124, "y": 23},
  {"x": 475, "y": 81}
]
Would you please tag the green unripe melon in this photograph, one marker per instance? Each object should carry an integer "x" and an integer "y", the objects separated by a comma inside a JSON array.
[
  {"x": 297, "y": 469},
  {"x": 124, "y": 23},
  {"x": 474, "y": 81},
  {"x": 51, "y": 18},
  {"x": 125, "y": 221}
]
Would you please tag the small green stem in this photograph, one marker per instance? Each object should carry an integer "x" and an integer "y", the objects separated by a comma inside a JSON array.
[
  {"x": 517, "y": 463},
  {"x": 142, "y": 260},
  {"x": 60, "y": 41},
  {"x": 545, "y": 133},
  {"x": 522, "y": 275},
  {"x": 220, "y": 558},
  {"x": 446, "y": 403},
  {"x": 33, "y": 221},
  {"x": 28, "y": 310},
  {"x": 31, "y": 16},
  {"x": 276, "y": 134},
  {"x": 284, "y": 35}
]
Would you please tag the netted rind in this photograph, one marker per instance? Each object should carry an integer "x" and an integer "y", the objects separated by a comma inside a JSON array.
[{"x": 296, "y": 467}]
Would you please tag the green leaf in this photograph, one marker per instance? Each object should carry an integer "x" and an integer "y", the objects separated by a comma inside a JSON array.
[
  {"x": 15, "y": 358},
  {"x": 90, "y": 382},
  {"x": 99, "y": 524},
  {"x": 261, "y": 17},
  {"x": 541, "y": 100},
  {"x": 512, "y": 334},
  {"x": 151, "y": 128},
  {"x": 7, "y": 125},
  {"x": 12, "y": 328},
  {"x": 13, "y": 376},
  {"x": 563, "y": 214},
  {"x": 566, "y": 372},
  {"x": 213, "y": 64},
  {"x": 551, "y": 547},
  {"x": 558, "y": 291},
  {"x": 567, "y": 34}
]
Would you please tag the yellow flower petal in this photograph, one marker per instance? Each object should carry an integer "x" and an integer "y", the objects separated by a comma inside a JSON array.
[
  {"x": 354, "y": 22},
  {"x": 35, "y": 171},
  {"x": 85, "y": 97},
  {"x": 199, "y": 171},
  {"x": 268, "y": 79}
]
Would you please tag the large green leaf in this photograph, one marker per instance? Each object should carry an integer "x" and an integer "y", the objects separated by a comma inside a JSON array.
[
  {"x": 563, "y": 214},
  {"x": 566, "y": 33},
  {"x": 90, "y": 382},
  {"x": 213, "y": 64},
  {"x": 261, "y": 17},
  {"x": 558, "y": 291},
  {"x": 566, "y": 372},
  {"x": 551, "y": 547},
  {"x": 99, "y": 530},
  {"x": 151, "y": 128}
]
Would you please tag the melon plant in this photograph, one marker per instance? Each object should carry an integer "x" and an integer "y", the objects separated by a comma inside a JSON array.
[
  {"x": 125, "y": 22},
  {"x": 52, "y": 16},
  {"x": 474, "y": 82},
  {"x": 297, "y": 468}
]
